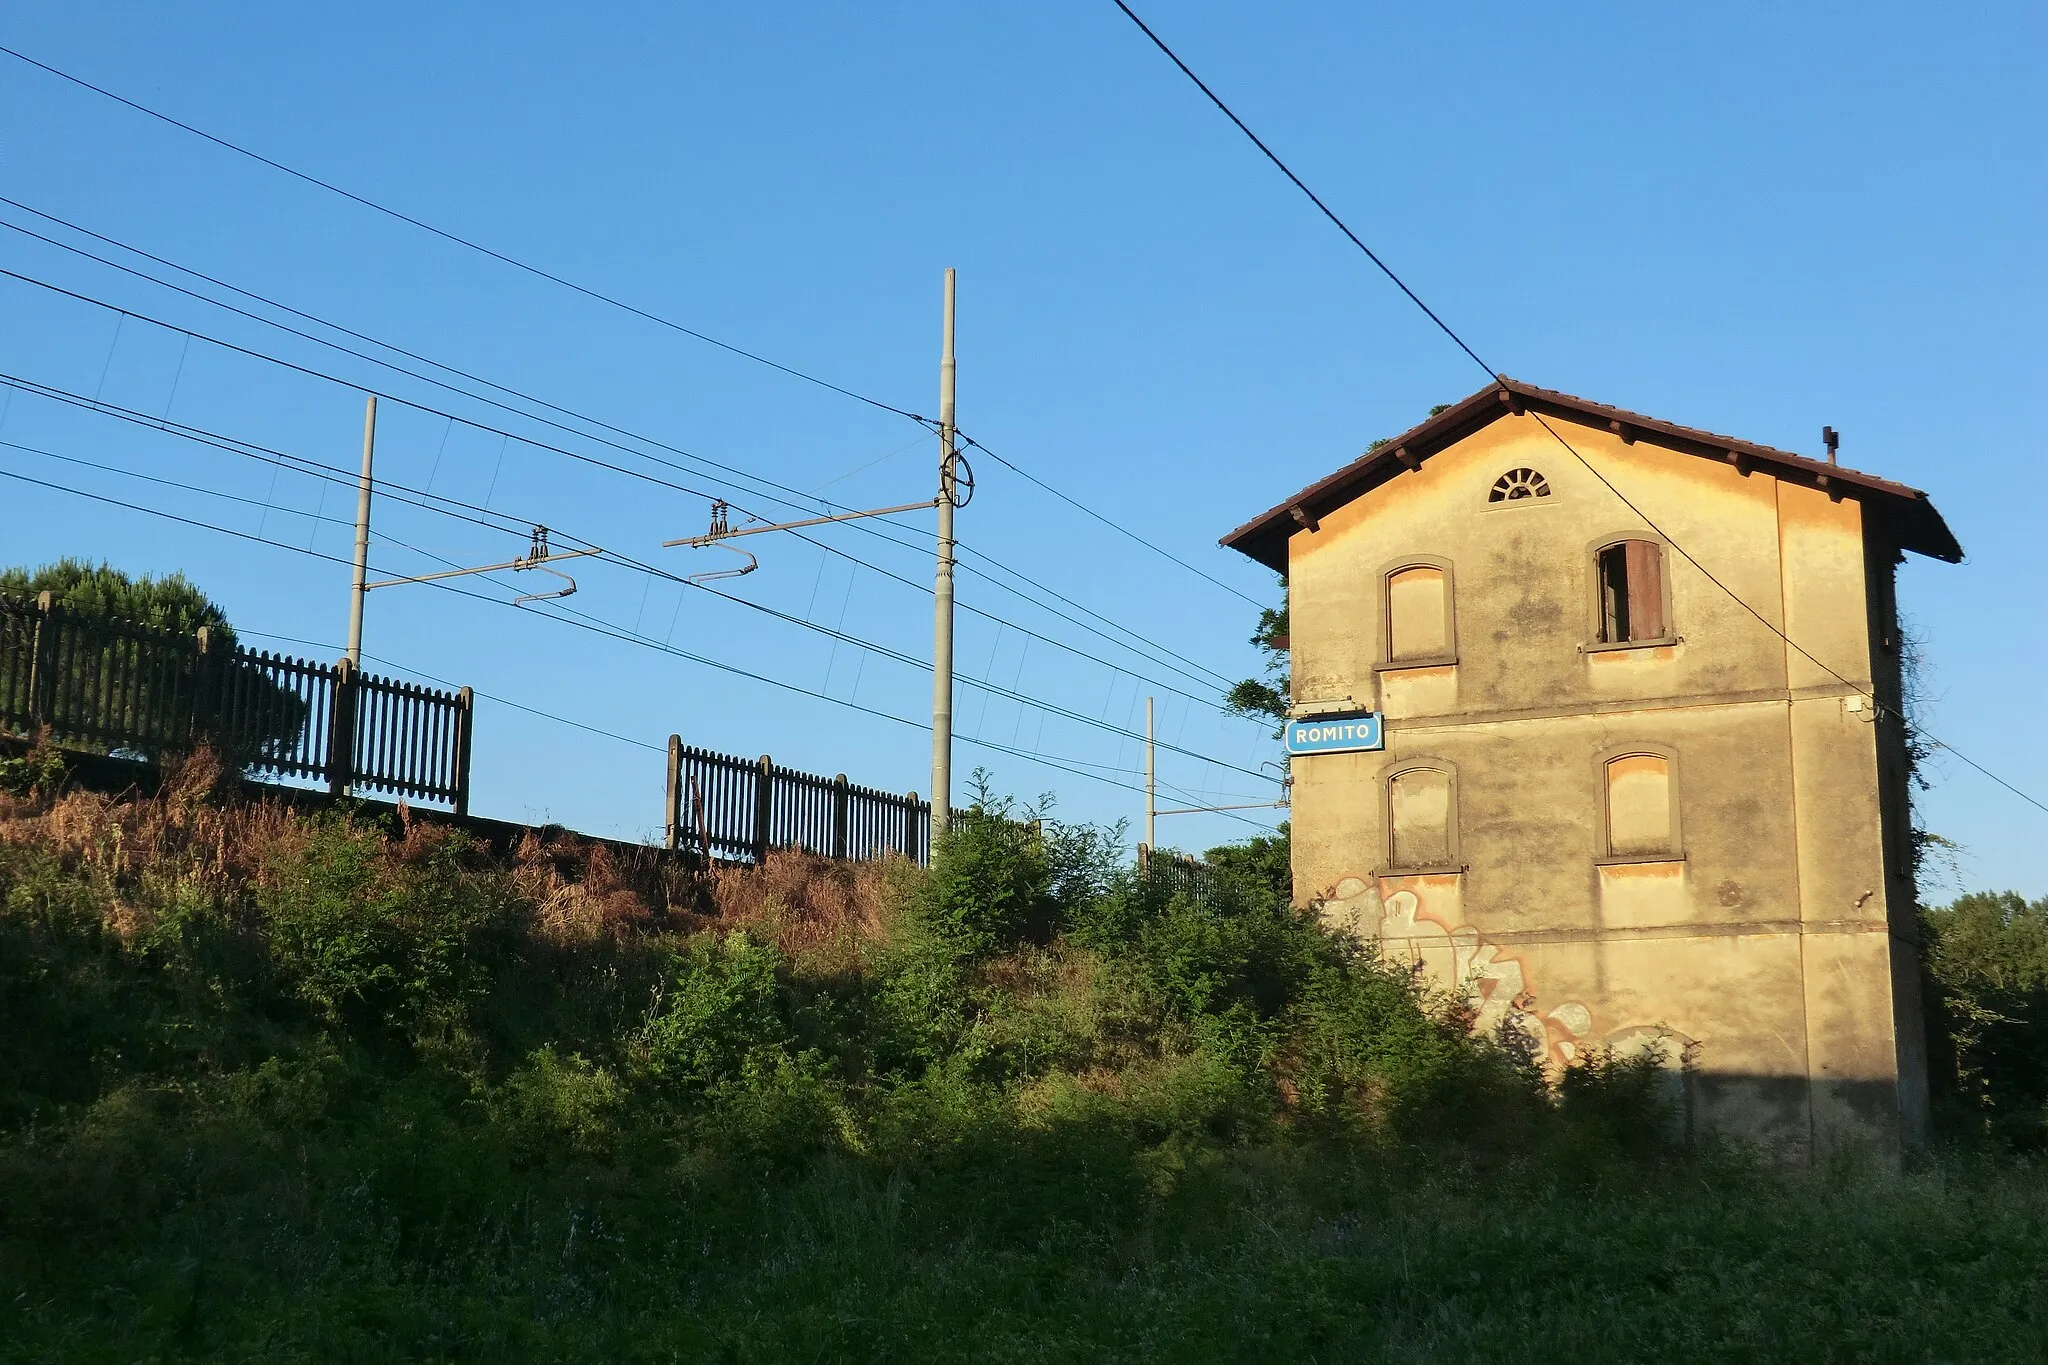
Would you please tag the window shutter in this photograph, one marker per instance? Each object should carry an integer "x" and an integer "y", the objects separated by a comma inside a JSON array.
[{"x": 1645, "y": 590}]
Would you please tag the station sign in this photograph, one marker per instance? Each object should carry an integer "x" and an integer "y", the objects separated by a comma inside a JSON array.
[{"x": 1342, "y": 734}]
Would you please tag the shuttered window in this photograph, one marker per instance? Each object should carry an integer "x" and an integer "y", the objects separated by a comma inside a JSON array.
[
  {"x": 1632, "y": 592},
  {"x": 1418, "y": 614},
  {"x": 1419, "y": 818}
]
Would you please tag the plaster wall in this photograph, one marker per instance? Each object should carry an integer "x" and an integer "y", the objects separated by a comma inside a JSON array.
[{"x": 1767, "y": 944}]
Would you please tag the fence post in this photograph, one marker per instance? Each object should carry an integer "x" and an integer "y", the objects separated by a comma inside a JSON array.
[
  {"x": 341, "y": 730},
  {"x": 764, "y": 808},
  {"x": 672, "y": 809},
  {"x": 206, "y": 690},
  {"x": 42, "y": 662},
  {"x": 465, "y": 734},
  {"x": 913, "y": 845},
  {"x": 839, "y": 803}
]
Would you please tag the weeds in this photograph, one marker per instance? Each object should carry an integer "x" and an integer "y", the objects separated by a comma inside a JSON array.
[{"x": 290, "y": 1088}]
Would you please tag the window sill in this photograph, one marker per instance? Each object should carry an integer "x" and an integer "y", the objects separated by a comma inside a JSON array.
[
  {"x": 1400, "y": 665},
  {"x": 1447, "y": 870},
  {"x": 1637, "y": 859},
  {"x": 1607, "y": 647}
]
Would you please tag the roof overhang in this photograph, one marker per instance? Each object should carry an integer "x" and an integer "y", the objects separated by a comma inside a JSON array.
[{"x": 1914, "y": 523}]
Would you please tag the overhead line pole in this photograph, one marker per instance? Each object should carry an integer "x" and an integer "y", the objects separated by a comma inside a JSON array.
[
  {"x": 360, "y": 588},
  {"x": 942, "y": 594},
  {"x": 1151, "y": 777}
]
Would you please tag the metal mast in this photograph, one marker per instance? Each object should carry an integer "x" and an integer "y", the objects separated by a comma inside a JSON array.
[{"x": 942, "y": 631}]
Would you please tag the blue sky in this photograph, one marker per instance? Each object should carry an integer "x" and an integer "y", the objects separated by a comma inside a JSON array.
[{"x": 1757, "y": 219}]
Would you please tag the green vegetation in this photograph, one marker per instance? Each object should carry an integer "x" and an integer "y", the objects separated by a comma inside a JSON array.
[
  {"x": 285, "y": 1088},
  {"x": 158, "y": 694}
]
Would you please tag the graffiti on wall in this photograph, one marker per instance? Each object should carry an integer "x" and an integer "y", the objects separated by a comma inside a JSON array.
[{"x": 1493, "y": 984}]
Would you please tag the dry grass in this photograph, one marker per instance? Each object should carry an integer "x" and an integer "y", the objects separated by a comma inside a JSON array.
[
  {"x": 816, "y": 910},
  {"x": 200, "y": 830}
]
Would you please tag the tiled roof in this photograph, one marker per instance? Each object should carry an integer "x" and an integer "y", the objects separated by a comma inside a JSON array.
[{"x": 1917, "y": 525}]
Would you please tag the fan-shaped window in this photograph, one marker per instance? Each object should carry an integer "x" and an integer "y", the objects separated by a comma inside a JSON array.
[
  {"x": 1419, "y": 819},
  {"x": 1419, "y": 615},
  {"x": 1641, "y": 816},
  {"x": 1517, "y": 484}
]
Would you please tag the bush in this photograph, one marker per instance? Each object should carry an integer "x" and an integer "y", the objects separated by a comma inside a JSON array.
[
  {"x": 989, "y": 886},
  {"x": 721, "y": 1006},
  {"x": 379, "y": 944}
]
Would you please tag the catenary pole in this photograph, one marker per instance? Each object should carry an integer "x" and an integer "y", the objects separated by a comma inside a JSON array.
[
  {"x": 360, "y": 588},
  {"x": 942, "y": 628},
  {"x": 1151, "y": 772}
]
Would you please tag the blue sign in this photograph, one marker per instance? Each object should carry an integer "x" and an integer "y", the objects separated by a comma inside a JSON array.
[{"x": 1335, "y": 734}]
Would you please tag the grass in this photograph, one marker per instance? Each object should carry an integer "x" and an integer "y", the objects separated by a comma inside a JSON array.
[{"x": 278, "y": 1088}]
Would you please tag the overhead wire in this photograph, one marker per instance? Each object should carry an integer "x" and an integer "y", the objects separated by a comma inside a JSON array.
[
  {"x": 1495, "y": 376},
  {"x": 190, "y": 334},
  {"x": 586, "y": 623},
  {"x": 594, "y": 294},
  {"x": 413, "y": 497},
  {"x": 834, "y": 633},
  {"x": 1110, "y": 522},
  {"x": 462, "y": 241}
]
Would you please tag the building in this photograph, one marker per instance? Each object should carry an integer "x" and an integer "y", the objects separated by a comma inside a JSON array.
[{"x": 1644, "y": 774}]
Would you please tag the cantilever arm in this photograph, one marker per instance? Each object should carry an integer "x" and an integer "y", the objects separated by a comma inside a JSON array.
[{"x": 697, "y": 542}]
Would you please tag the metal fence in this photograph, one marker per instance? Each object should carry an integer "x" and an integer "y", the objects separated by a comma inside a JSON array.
[
  {"x": 129, "y": 688},
  {"x": 740, "y": 808},
  {"x": 1179, "y": 874}
]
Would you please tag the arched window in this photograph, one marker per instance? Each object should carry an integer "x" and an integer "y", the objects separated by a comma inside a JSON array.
[
  {"x": 1421, "y": 819},
  {"x": 1642, "y": 807},
  {"x": 1419, "y": 615},
  {"x": 1631, "y": 574},
  {"x": 1517, "y": 484}
]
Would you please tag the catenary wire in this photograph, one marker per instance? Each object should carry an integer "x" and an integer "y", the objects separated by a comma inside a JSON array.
[
  {"x": 1495, "y": 376},
  {"x": 572, "y": 723},
  {"x": 575, "y": 455},
  {"x": 1110, "y": 522},
  {"x": 458, "y": 240},
  {"x": 597, "y": 627},
  {"x": 625, "y": 561},
  {"x": 315, "y": 469}
]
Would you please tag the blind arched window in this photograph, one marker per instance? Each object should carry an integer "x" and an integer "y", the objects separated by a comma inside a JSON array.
[
  {"x": 1641, "y": 813},
  {"x": 1418, "y": 614},
  {"x": 1419, "y": 818}
]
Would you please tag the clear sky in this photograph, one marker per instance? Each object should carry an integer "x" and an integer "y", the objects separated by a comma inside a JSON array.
[{"x": 1756, "y": 219}]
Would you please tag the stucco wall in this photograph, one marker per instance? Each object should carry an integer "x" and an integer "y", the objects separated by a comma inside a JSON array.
[{"x": 1767, "y": 946}]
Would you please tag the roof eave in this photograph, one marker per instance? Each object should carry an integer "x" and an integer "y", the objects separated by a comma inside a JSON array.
[{"x": 1264, "y": 538}]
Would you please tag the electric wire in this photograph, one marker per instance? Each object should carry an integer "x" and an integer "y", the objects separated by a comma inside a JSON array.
[
  {"x": 1110, "y": 522},
  {"x": 458, "y": 240},
  {"x": 413, "y": 497},
  {"x": 574, "y": 455},
  {"x": 1496, "y": 377},
  {"x": 583, "y": 622},
  {"x": 833, "y": 633}
]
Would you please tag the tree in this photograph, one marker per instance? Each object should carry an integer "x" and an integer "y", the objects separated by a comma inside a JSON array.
[
  {"x": 1267, "y": 697},
  {"x": 1264, "y": 861},
  {"x": 1986, "y": 957},
  {"x": 172, "y": 603},
  {"x": 268, "y": 717}
]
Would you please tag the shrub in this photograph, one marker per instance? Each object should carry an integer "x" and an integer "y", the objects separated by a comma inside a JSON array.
[
  {"x": 376, "y": 942},
  {"x": 989, "y": 885},
  {"x": 721, "y": 1005}
]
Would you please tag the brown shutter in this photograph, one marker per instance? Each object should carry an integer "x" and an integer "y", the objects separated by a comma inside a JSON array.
[{"x": 1645, "y": 590}]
